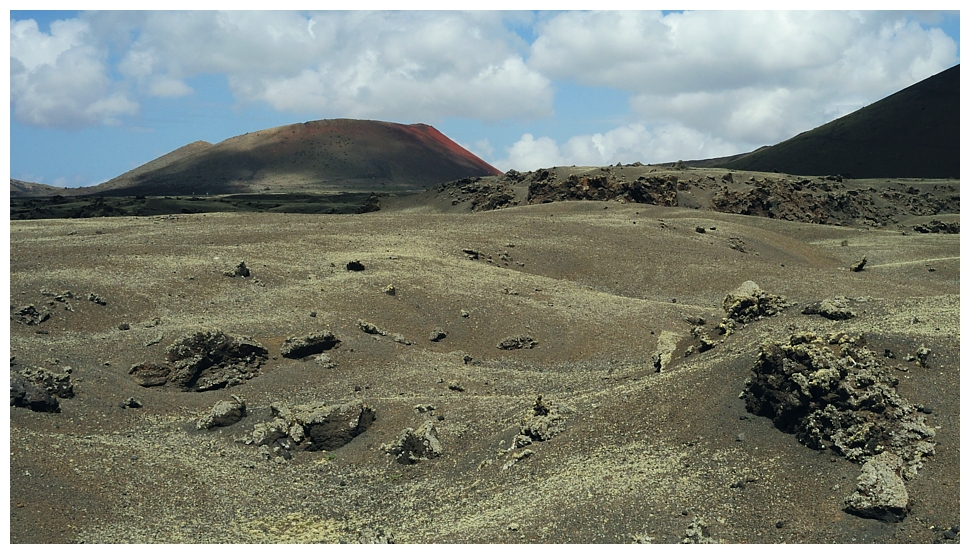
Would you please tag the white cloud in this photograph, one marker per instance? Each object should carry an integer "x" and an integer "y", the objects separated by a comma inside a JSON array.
[
  {"x": 403, "y": 66},
  {"x": 750, "y": 78},
  {"x": 59, "y": 79},
  {"x": 626, "y": 144},
  {"x": 393, "y": 65}
]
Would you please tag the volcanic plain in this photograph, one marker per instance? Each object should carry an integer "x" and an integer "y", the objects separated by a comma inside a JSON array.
[{"x": 561, "y": 370}]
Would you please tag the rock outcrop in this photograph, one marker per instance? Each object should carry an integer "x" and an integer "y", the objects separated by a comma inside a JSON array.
[
  {"x": 201, "y": 361},
  {"x": 315, "y": 426}
]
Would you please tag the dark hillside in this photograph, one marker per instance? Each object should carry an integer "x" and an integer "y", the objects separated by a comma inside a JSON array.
[{"x": 913, "y": 133}]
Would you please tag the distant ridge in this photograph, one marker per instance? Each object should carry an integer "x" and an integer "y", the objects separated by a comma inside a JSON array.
[
  {"x": 316, "y": 156},
  {"x": 912, "y": 133},
  {"x": 25, "y": 188}
]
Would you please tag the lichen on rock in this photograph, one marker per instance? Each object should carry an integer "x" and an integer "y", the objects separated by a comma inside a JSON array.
[
  {"x": 415, "y": 446},
  {"x": 880, "y": 490},
  {"x": 314, "y": 426},
  {"x": 748, "y": 303},
  {"x": 833, "y": 393},
  {"x": 540, "y": 423}
]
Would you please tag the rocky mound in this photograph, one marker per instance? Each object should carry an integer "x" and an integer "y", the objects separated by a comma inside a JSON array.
[
  {"x": 38, "y": 388},
  {"x": 201, "y": 361},
  {"x": 833, "y": 393},
  {"x": 657, "y": 190},
  {"x": 828, "y": 199},
  {"x": 315, "y": 426},
  {"x": 748, "y": 303},
  {"x": 415, "y": 446}
]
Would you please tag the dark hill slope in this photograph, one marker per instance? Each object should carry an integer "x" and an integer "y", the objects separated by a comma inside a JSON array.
[
  {"x": 913, "y": 133},
  {"x": 317, "y": 156}
]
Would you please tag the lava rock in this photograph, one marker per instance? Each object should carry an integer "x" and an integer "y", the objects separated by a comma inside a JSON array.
[
  {"x": 149, "y": 374},
  {"x": 541, "y": 423},
  {"x": 224, "y": 413},
  {"x": 880, "y": 491},
  {"x": 315, "y": 343},
  {"x": 28, "y": 315},
  {"x": 27, "y": 394},
  {"x": 834, "y": 393},
  {"x": 315, "y": 426},
  {"x": 517, "y": 343},
  {"x": 415, "y": 446},
  {"x": 239, "y": 271},
  {"x": 748, "y": 303},
  {"x": 370, "y": 328}
]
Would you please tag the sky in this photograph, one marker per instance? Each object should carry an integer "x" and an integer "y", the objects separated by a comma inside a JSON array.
[{"x": 95, "y": 94}]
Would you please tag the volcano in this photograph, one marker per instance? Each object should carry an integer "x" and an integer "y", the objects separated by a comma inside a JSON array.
[{"x": 337, "y": 155}]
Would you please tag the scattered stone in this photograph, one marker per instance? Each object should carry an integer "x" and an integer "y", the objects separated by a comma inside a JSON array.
[
  {"x": 516, "y": 458},
  {"x": 370, "y": 328},
  {"x": 834, "y": 393},
  {"x": 542, "y": 422},
  {"x": 695, "y": 320},
  {"x": 390, "y": 290},
  {"x": 471, "y": 254},
  {"x": 740, "y": 437},
  {"x": 355, "y": 265},
  {"x": 437, "y": 334},
  {"x": 97, "y": 299},
  {"x": 399, "y": 338},
  {"x": 779, "y": 524},
  {"x": 374, "y": 536},
  {"x": 735, "y": 243},
  {"x": 313, "y": 314},
  {"x": 749, "y": 303},
  {"x": 705, "y": 342},
  {"x": 937, "y": 226},
  {"x": 224, "y": 413},
  {"x": 28, "y": 315},
  {"x": 325, "y": 361},
  {"x": 130, "y": 402},
  {"x": 456, "y": 386},
  {"x": 700, "y": 229},
  {"x": 859, "y": 265},
  {"x": 315, "y": 343},
  {"x": 464, "y": 313},
  {"x": 423, "y": 408},
  {"x": 123, "y": 326},
  {"x": 415, "y": 446},
  {"x": 880, "y": 491},
  {"x": 697, "y": 533},
  {"x": 239, "y": 271},
  {"x": 922, "y": 354},
  {"x": 666, "y": 345},
  {"x": 315, "y": 426},
  {"x": 517, "y": 343}
]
